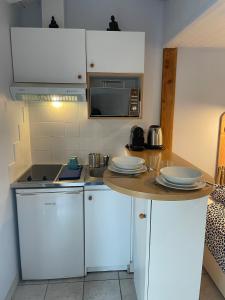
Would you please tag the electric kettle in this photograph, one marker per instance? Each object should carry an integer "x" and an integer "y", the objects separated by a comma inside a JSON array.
[{"x": 155, "y": 139}]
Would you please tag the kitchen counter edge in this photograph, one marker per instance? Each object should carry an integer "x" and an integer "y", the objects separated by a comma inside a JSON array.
[{"x": 144, "y": 185}]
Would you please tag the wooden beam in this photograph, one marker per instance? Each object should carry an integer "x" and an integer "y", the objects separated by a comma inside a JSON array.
[
  {"x": 221, "y": 143},
  {"x": 220, "y": 162},
  {"x": 168, "y": 95}
]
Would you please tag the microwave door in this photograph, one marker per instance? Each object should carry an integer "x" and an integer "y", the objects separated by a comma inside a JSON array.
[{"x": 110, "y": 102}]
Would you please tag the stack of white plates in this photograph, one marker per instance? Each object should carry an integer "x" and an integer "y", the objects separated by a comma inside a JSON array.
[
  {"x": 130, "y": 165},
  {"x": 181, "y": 178}
]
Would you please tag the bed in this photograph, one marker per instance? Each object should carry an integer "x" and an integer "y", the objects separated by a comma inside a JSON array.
[{"x": 214, "y": 256}]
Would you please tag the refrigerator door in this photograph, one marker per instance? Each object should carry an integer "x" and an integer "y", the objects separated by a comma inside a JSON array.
[{"x": 51, "y": 233}]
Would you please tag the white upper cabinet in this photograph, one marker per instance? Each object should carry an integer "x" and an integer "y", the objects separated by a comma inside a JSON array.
[
  {"x": 115, "y": 51},
  {"x": 49, "y": 55}
]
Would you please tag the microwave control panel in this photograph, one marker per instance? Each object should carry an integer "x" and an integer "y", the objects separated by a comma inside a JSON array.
[{"x": 134, "y": 107}]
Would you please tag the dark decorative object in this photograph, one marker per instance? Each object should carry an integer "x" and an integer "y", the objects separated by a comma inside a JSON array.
[
  {"x": 113, "y": 25},
  {"x": 53, "y": 23}
]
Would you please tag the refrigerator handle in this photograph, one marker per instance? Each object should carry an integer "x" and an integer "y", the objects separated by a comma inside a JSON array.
[{"x": 61, "y": 193}]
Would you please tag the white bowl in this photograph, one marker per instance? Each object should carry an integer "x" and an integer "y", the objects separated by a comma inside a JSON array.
[
  {"x": 181, "y": 175},
  {"x": 128, "y": 162}
]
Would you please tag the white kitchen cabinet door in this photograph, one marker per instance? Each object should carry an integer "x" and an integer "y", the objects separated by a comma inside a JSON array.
[
  {"x": 107, "y": 230},
  {"x": 115, "y": 52},
  {"x": 48, "y": 55},
  {"x": 176, "y": 249},
  {"x": 51, "y": 233},
  {"x": 142, "y": 215}
]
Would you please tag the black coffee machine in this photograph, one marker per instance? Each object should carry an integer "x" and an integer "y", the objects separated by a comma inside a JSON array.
[{"x": 137, "y": 140}]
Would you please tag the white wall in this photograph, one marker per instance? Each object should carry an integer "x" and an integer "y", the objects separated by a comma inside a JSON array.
[
  {"x": 200, "y": 101},
  {"x": 180, "y": 13},
  {"x": 30, "y": 15},
  {"x": 14, "y": 153},
  {"x": 92, "y": 135}
]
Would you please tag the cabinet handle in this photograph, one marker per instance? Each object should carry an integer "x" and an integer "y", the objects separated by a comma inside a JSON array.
[
  {"x": 90, "y": 198},
  {"x": 79, "y": 76},
  {"x": 142, "y": 216},
  {"x": 92, "y": 65}
]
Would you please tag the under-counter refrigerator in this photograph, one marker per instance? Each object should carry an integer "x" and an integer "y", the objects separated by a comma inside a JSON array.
[{"x": 51, "y": 232}]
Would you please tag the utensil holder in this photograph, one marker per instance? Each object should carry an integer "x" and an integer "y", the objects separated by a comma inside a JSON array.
[{"x": 94, "y": 160}]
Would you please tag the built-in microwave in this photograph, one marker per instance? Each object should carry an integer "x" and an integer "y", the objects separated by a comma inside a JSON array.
[{"x": 114, "y": 96}]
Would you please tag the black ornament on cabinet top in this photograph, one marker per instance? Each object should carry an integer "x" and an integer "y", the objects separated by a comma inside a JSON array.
[
  {"x": 53, "y": 23},
  {"x": 113, "y": 25}
]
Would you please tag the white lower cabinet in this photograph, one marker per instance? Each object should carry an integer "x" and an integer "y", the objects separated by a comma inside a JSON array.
[
  {"x": 107, "y": 229},
  {"x": 168, "y": 248}
]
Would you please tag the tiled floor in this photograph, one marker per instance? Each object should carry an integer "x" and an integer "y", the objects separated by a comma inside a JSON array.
[{"x": 96, "y": 286}]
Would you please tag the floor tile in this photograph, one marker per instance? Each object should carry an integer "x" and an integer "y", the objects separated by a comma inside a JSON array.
[
  {"x": 32, "y": 282},
  {"x": 66, "y": 280},
  {"x": 65, "y": 291},
  {"x": 102, "y": 290},
  {"x": 30, "y": 292},
  {"x": 101, "y": 276},
  {"x": 128, "y": 289},
  {"x": 125, "y": 275},
  {"x": 208, "y": 289}
]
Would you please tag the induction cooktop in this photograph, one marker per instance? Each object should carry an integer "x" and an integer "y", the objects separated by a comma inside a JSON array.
[{"x": 40, "y": 173}]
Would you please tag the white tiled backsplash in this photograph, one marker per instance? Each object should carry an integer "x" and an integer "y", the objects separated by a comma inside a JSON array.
[
  {"x": 17, "y": 121},
  {"x": 58, "y": 133}
]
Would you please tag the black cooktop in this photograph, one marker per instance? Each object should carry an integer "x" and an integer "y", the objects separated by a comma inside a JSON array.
[{"x": 40, "y": 173}]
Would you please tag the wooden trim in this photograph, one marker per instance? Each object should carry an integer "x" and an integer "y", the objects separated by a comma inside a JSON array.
[
  {"x": 221, "y": 143},
  {"x": 99, "y": 74},
  {"x": 168, "y": 95}
]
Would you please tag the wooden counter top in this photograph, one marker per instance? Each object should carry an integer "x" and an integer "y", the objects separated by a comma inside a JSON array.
[{"x": 144, "y": 186}]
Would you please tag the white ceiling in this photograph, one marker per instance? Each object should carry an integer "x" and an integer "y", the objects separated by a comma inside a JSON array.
[{"x": 206, "y": 31}]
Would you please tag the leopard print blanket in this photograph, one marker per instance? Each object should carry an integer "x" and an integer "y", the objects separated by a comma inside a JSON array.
[{"x": 215, "y": 232}]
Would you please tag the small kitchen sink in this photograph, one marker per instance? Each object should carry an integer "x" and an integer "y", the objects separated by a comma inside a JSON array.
[
  {"x": 94, "y": 176},
  {"x": 96, "y": 172}
]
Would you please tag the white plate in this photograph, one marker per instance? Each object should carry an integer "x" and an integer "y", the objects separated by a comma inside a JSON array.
[
  {"x": 181, "y": 175},
  {"x": 179, "y": 184},
  {"x": 128, "y": 162},
  {"x": 194, "y": 185},
  {"x": 162, "y": 181},
  {"x": 124, "y": 169},
  {"x": 128, "y": 172}
]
